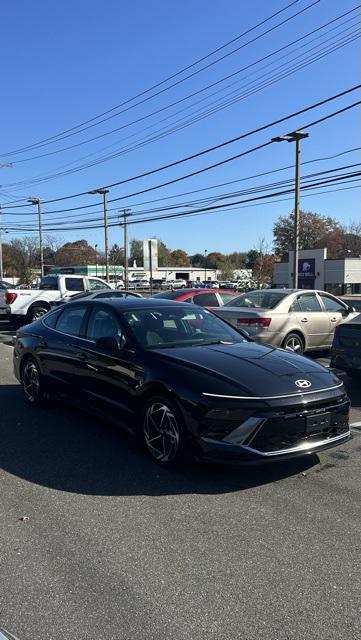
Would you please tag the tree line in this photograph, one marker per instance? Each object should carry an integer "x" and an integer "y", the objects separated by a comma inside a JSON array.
[{"x": 21, "y": 256}]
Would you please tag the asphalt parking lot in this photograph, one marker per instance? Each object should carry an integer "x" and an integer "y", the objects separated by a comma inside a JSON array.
[{"x": 115, "y": 547}]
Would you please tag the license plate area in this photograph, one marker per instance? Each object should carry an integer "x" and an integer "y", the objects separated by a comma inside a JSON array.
[{"x": 318, "y": 423}]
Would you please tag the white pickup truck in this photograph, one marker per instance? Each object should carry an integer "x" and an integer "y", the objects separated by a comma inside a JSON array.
[{"x": 22, "y": 306}]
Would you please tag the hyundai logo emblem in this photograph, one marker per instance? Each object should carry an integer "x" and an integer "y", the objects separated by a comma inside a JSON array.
[{"x": 303, "y": 384}]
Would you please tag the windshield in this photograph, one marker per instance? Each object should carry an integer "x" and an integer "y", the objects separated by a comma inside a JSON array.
[
  {"x": 168, "y": 327},
  {"x": 258, "y": 299}
]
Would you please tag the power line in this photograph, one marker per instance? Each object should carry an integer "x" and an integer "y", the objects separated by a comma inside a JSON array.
[
  {"x": 215, "y": 147},
  {"x": 178, "y": 125},
  {"x": 47, "y": 140}
]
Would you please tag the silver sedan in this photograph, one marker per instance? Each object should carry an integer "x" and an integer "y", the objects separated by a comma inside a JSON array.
[{"x": 295, "y": 319}]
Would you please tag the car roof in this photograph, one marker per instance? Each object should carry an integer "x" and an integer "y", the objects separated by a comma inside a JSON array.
[{"x": 130, "y": 303}]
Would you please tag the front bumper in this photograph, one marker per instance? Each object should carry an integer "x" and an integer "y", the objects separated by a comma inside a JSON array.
[{"x": 283, "y": 434}]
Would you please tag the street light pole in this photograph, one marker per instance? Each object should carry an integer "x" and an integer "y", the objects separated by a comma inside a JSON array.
[
  {"x": 295, "y": 136},
  {"x": 37, "y": 202},
  {"x": 104, "y": 193},
  {"x": 205, "y": 265},
  {"x": 125, "y": 241}
]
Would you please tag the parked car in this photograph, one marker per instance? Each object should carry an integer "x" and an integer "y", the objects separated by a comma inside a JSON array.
[
  {"x": 176, "y": 284},
  {"x": 202, "y": 297},
  {"x": 183, "y": 380},
  {"x": 211, "y": 284},
  {"x": 138, "y": 284},
  {"x": 346, "y": 347},
  {"x": 95, "y": 295},
  {"x": 295, "y": 319},
  {"x": 26, "y": 305}
]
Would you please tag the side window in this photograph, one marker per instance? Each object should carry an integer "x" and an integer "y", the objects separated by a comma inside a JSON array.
[
  {"x": 103, "y": 323},
  {"x": 71, "y": 320},
  {"x": 206, "y": 300},
  {"x": 74, "y": 284},
  {"x": 226, "y": 297},
  {"x": 308, "y": 303},
  {"x": 95, "y": 284},
  {"x": 331, "y": 304},
  {"x": 50, "y": 319}
]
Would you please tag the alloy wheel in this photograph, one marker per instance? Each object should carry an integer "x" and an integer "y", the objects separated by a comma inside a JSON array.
[
  {"x": 161, "y": 432},
  {"x": 31, "y": 382},
  {"x": 294, "y": 343}
]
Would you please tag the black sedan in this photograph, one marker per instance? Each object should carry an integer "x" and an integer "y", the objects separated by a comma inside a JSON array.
[
  {"x": 184, "y": 381},
  {"x": 346, "y": 348}
]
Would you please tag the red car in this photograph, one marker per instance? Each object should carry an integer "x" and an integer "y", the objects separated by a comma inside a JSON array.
[{"x": 204, "y": 297}]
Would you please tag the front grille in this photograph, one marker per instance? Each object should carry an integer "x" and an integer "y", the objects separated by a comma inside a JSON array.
[{"x": 289, "y": 430}]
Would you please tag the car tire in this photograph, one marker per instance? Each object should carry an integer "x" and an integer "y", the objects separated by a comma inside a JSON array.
[
  {"x": 35, "y": 313},
  {"x": 293, "y": 342},
  {"x": 163, "y": 432},
  {"x": 32, "y": 382}
]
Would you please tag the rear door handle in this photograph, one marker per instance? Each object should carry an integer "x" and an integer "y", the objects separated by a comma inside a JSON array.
[
  {"x": 82, "y": 356},
  {"x": 304, "y": 319},
  {"x": 333, "y": 319}
]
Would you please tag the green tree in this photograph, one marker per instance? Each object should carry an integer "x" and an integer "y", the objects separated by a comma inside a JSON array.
[
  {"x": 197, "y": 260},
  {"x": 215, "y": 260},
  {"x": 179, "y": 258},
  {"x": 314, "y": 229},
  {"x": 136, "y": 253},
  {"x": 116, "y": 255},
  {"x": 76, "y": 253}
]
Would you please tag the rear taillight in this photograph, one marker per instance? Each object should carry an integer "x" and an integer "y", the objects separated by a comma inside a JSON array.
[
  {"x": 254, "y": 322},
  {"x": 10, "y": 297}
]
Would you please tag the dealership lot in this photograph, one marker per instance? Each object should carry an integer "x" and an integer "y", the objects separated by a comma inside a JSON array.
[{"x": 115, "y": 545}]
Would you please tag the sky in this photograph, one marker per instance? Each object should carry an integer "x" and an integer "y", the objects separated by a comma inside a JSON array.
[{"x": 64, "y": 63}]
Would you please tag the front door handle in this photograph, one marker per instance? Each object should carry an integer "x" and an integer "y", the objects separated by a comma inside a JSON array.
[
  {"x": 304, "y": 319},
  {"x": 333, "y": 319},
  {"x": 82, "y": 356}
]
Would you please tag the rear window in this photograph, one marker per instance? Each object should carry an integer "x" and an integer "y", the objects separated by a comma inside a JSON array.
[
  {"x": 74, "y": 284},
  {"x": 49, "y": 283},
  {"x": 257, "y": 300}
]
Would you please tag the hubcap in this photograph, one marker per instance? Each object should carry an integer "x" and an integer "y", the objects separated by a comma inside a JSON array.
[
  {"x": 31, "y": 382},
  {"x": 161, "y": 432},
  {"x": 294, "y": 344},
  {"x": 37, "y": 314}
]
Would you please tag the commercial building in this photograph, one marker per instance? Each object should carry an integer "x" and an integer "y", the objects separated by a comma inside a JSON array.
[{"x": 341, "y": 276}]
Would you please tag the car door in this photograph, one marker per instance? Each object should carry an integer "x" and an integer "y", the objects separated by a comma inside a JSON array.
[
  {"x": 336, "y": 312},
  {"x": 312, "y": 319},
  {"x": 60, "y": 354},
  {"x": 110, "y": 377}
]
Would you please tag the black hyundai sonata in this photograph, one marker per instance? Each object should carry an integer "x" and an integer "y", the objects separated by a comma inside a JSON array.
[{"x": 183, "y": 380}]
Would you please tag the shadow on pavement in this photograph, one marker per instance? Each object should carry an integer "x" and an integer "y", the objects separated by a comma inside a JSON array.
[{"x": 62, "y": 448}]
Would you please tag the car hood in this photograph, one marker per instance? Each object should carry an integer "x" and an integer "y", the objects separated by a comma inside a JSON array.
[{"x": 251, "y": 369}]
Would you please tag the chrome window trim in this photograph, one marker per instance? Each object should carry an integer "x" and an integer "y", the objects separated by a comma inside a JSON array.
[{"x": 287, "y": 395}]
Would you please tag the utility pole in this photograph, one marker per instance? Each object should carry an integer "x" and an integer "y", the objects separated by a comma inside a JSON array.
[
  {"x": 125, "y": 244},
  {"x": 295, "y": 136},
  {"x": 205, "y": 265},
  {"x": 104, "y": 193},
  {"x": 37, "y": 202},
  {"x": 150, "y": 266}
]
